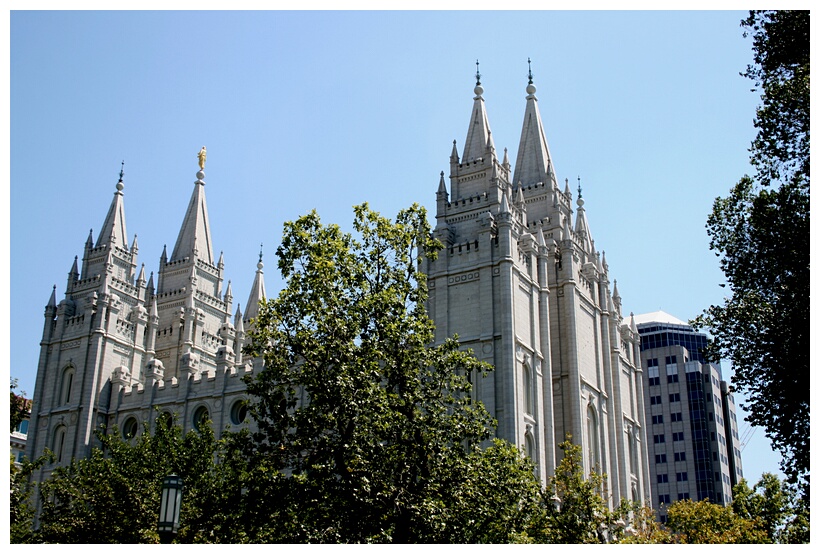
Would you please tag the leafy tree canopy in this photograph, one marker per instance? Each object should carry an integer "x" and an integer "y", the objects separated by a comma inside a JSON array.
[
  {"x": 367, "y": 432},
  {"x": 760, "y": 232},
  {"x": 20, "y": 406},
  {"x": 774, "y": 505},
  {"x": 706, "y": 523},
  {"x": 114, "y": 495}
]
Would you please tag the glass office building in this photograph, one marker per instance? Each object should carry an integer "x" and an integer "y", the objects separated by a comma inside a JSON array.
[{"x": 694, "y": 449}]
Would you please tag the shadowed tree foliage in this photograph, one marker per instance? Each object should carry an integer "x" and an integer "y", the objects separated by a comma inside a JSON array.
[
  {"x": 367, "y": 433},
  {"x": 114, "y": 495},
  {"x": 760, "y": 232}
]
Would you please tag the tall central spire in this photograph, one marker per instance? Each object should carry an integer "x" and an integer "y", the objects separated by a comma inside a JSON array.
[
  {"x": 195, "y": 233},
  {"x": 479, "y": 131},
  {"x": 534, "y": 162}
]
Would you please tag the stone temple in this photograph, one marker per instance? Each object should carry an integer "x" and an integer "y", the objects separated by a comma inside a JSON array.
[{"x": 520, "y": 281}]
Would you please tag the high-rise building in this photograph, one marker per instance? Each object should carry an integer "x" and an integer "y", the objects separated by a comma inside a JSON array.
[
  {"x": 690, "y": 413},
  {"x": 528, "y": 292},
  {"x": 520, "y": 281}
]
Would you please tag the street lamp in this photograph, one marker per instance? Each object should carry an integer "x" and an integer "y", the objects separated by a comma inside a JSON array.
[{"x": 170, "y": 502}]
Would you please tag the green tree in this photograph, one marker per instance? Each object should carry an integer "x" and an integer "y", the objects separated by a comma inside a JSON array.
[
  {"x": 20, "y": 406},
  {"x": 113, "y": 496},
  {"x": 775, "y": 506},
  {"x": 21, "y": 511},
  {"x": 706, "y": 523},
  {"x": 367, "y": 433},
  {"x": 575, "y": 511},
  {"x": 645, "y": 529},
  {"x": 760, "y": 232}
]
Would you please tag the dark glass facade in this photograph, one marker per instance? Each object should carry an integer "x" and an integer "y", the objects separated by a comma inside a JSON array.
[{"x": 659, "y": 336}]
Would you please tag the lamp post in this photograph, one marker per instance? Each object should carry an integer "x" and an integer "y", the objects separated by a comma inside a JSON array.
[{"x": 170, "y": 502}]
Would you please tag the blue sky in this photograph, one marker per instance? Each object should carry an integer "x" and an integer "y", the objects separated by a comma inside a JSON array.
[{"x": 324, "y": 110}]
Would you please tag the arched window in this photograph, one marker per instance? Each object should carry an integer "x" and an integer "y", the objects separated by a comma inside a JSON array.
[
  {"x": 633, "y": 452},
  {"x": 593, "y": 448},
  {"x": 201, "y": 418},
  {"x": 528, "y": 403},
  {"x": 65, "y": 386},
  {"x": 239, "y": 412},
  {"x": 529, "y": 446},
  {"x": 58, "y": 443}
]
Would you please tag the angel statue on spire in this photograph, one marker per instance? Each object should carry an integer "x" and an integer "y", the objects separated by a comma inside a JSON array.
[{"x": 202, "y": 155}]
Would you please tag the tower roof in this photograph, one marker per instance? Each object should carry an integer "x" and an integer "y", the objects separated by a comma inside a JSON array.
[
  {"x": 257, "y": 291},
  {"x": 582, "y": 225},
  {"x": 113, "y": 228},
  {"x": 658, "y": 317},
  {"x": 478, "y": 133},
  {"x": 534, "y": 161},
  {"x": 195, "y": 233}
]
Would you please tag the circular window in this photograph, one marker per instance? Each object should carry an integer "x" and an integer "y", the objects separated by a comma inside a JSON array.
[
  {"x": 201, "y": 418},
  {"x": 165, "y": 419},
  {"x": 130, "y": 428},
  {"x": 239, "y": 412}
]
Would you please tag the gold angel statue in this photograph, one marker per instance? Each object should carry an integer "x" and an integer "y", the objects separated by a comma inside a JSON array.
[{"x": 202, "y": 155}]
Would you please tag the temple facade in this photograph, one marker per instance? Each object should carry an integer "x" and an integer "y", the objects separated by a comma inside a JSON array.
[
  {"x": 120, "y": 349},
  {"x": 521, "y": 283}
]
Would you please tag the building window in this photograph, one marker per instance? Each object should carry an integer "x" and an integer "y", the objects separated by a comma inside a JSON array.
[
  {"x": 663, "y": 478},
  {"x": 682, "y": 476},
  {"x": 680, "y": 456},
  {"x": 58, "y": 443},
  {"x": 130, "y": 428},
  {"x": 239, "y": 412},
  {"x": 659, "y": 438},
  {"x": 654, "y": 381},
  {"x": 529, "y": 446},
  {"x": 674, "y": 397},
  {"x": 654, "y": 400},
  {"x": 165, "y": 419},
  {"x": 65, "y": 385},
  {"x": 592, "y": 434},
  {"x": 676, "y": 416},
  {"x": 527, "y": 389},
  {"x": 657, "y": 419},
  {"x": 201, "y": 418},
  {"x": 671, "y": 360},
  {"x": 660, "y": 458},
  {"x": 677, "y": 436},
  {"x": 663, "y": 499},
  {"x": 672, "y": 378},
  {"x": 683, "y": 496}
]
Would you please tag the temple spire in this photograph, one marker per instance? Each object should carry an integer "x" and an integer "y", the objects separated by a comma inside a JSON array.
[
  {"x": 257, "y": 290},
  {"x": 113, "y": 229},
  {"x": 534, "y": 161},
  {"x": 478, "y": 133},
  {"x": 581, "y": 223},
  {"x": 195, "y": 233}
]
